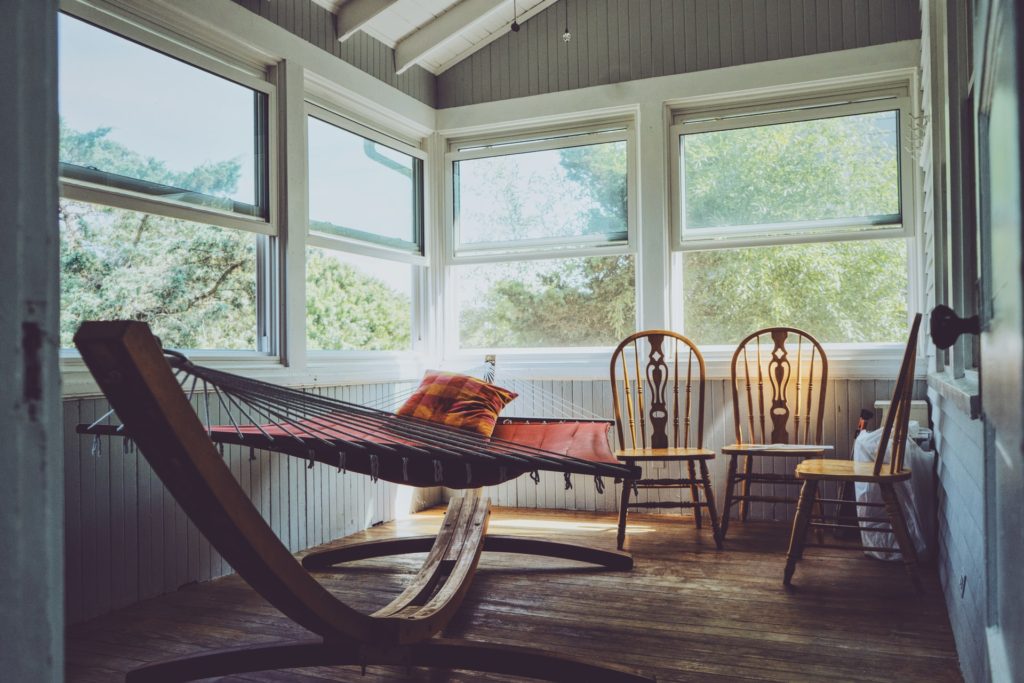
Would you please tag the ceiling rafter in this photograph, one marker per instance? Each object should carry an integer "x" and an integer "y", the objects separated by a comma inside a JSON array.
[
  {"x": 445, "y": 27},
  {"x": 356, "y": 14}
]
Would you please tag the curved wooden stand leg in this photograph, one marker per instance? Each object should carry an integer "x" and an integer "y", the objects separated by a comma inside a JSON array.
[
  {"x": 441, "y": 653},
  {"x": 325, "y": 559},
  {"x": 566, "y": 551}
]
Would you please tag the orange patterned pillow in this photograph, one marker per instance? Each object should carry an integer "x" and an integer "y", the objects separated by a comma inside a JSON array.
[{"x": 457, "y": 401}]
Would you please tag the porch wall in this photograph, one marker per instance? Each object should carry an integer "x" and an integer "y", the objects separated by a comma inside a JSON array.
[
  {"x": 128, "y": 540},
  {"x": 961, "y": 502}
]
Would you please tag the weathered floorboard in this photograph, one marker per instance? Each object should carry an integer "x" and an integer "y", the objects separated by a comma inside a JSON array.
[{"x": 686, "y": 612}]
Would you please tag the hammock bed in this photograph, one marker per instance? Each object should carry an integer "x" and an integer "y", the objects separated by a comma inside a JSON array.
[
  {"x": 383, "y": 445},
  {"x": 151, "y": 389}
]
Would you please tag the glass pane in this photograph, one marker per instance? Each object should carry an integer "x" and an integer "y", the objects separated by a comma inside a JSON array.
[
  {"x": 360, "y": 188},
  {"x": 357, "y": 303},
  {"x": 137, "y": 119},
  {"x": 558, "y": 193},
  {"x": 557, "y": 303},
  {"x": 837, "y": 291},
  {"x": 843, "y": 167},
  {"x": 194, "y": 284}
]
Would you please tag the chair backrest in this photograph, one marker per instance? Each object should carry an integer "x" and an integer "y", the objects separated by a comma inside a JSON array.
[
  {"x": 897, "y": 418},
  {"x": 654, "y": 376},
  {"x": 779, "y": 377}
]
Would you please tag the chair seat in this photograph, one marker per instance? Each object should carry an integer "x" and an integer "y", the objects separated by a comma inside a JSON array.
[
  {"x": 656, "y": 454},
  {"x": 777, "y": 450},
  {"x": 846, "y": 470}
]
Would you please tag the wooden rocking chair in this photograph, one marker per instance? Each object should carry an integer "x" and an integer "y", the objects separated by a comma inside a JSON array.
[
  {"x": 813, "y": 472},
  {"x": 129, "y": 367}
]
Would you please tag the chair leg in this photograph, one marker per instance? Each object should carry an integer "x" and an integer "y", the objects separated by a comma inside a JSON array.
[
  {"x": 899, "y": 528},
  {"x": 709, "y": 496},
  {"x": 695, "y": 494},
  {"x": 808, "y": 494},
  {"x": 620, "y": 539},
  {"x": 748, "y": 469},
  {"x": 730, "y": 485}
]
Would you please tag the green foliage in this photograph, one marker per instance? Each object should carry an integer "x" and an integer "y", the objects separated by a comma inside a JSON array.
[
  {"x": 838, "y": 291},
  {"x": 575, "y": 302},
  {"x": 348, "y": 310},
  {"x": 196, "y": 284}
]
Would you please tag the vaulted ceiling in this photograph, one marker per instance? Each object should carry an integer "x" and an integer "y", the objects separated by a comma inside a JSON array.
[{"x": 434, "y": 34}]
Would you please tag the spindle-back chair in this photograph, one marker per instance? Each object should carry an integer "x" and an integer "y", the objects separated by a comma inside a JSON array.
[
  {"x": 812, "y": 472},
  {"x": 779, "y": 379},
  {"x": 657, "y": 379}
]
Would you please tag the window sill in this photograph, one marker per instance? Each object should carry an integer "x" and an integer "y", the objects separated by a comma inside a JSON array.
[
  {"x": 963, "y": 392},
  {"x": 845, "y": 361}
]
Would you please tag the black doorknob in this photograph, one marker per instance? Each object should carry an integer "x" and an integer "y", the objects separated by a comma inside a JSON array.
[{"x": 946, "y": 326}]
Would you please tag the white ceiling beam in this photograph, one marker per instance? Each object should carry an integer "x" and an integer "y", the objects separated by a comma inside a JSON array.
[
  {"x": 355, "y": 14},
  {"x": 445, "y": 27}
]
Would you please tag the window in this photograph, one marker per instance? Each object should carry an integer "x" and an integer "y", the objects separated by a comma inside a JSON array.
[
  {"x": 540, "y": 228},
  {"x": 165, "y": 207},
  {"x": 366, "y": 248},
  {"x": 362, "y": 189},
  {"x": 793, "y": 218},
  {"x": 357, "y": 303}
]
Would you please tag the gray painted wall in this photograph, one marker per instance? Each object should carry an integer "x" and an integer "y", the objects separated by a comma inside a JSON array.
[
  {"x": 621, "y": 40},
  {"x": 31, "y": 595},
  {"x": 316, "y": 25},
  {"x": 126, "y": 539},
  {"x": 961, "y": 504}
]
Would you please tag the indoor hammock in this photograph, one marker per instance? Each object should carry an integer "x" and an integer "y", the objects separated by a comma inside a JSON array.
[{"x": 150, "y": 391}]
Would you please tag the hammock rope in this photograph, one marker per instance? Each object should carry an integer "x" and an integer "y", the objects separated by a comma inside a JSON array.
[{"x": 330, "y": 430}]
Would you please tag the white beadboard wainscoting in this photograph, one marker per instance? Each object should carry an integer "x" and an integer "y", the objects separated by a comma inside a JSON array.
[{"x": 127, "y": 539}]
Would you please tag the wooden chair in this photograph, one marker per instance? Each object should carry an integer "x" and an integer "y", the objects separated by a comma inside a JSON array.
[
  {"x": 129, "y": 367},
  {"x": 813, "y": 472},
  {"x": 654, "y": 376},
  {"x": 779, "y": 377}
]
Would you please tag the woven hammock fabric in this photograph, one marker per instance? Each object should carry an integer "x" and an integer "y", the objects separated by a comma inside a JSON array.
[{"x": 383, "y": 445}]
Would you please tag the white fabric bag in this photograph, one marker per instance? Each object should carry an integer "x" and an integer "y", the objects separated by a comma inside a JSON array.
[{"x": 864, "y": 449}]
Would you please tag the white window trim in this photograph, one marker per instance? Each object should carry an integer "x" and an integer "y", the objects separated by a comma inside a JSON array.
[
  {"x": 530, "y": 138},
  {"x": 792, "y": 232},
  {"x": 853, "y": 361},
  {"x": 324, "y": 362}
]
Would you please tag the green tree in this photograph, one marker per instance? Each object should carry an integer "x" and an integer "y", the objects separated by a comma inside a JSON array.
[
  {"x": 839, "y": 291},
  {"x": 194, "y": 284}
]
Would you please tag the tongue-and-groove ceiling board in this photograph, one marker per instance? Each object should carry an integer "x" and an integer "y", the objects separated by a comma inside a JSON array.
[{"x": 434, "y": 34}]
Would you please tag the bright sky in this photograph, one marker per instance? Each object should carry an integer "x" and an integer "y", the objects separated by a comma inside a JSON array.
[{"x": 155, "y": 105}]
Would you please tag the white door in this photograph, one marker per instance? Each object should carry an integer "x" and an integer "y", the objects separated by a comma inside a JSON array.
[{"x": 998, "y": 82}]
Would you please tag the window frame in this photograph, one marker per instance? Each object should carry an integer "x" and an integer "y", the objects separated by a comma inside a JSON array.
[
  {"x": 540, "y": 360},
  {"x": 269, "y": 332},
  {"x": 792, "y": 232},
  {"x": 418, "y": 258},
  {"x": 724, "y": 115}
]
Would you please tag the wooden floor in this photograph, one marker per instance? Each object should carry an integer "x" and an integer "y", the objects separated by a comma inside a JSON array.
[{"x": 686, "y": 612}]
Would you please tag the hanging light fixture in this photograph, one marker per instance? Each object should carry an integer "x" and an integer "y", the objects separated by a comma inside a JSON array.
[
  {"x": 515, "y": 24},
  {"x": 566, "y": 37}
]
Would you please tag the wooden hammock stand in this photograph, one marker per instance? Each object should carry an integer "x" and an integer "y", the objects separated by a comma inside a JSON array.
[{"x": 129, "y": 366}]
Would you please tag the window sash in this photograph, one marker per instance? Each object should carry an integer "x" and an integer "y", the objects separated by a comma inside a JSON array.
[
  {"x": 877, "y": 226},
  {"x": 352, "y": 238},
  {"x": 544, "y": 247},
  {"x": 123, "y": 192}
]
